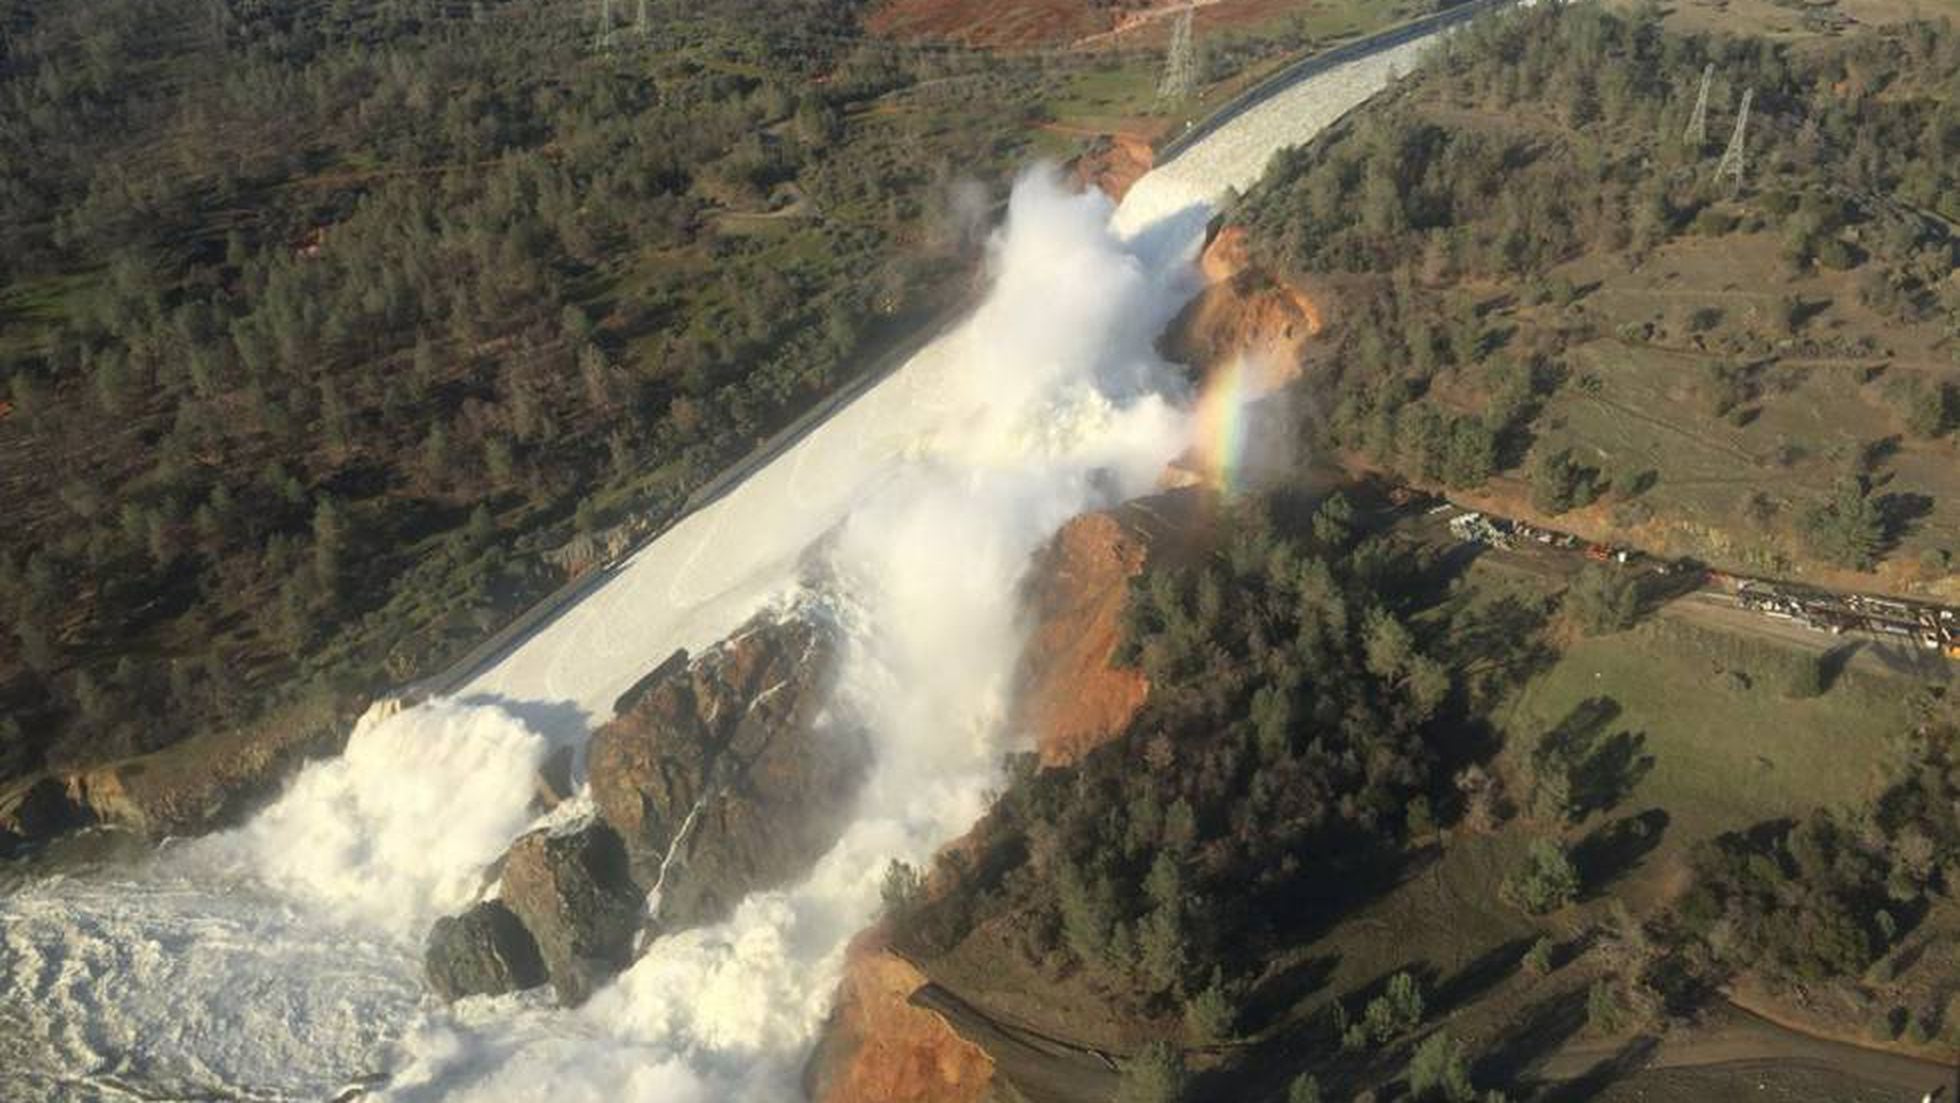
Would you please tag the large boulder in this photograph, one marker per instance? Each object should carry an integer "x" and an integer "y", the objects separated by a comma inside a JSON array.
[
  {"x": 483, "y": 952},
  {"x": 570, "y": 888},
  {"x": 718, "y": 778},
  {"x": 721, "y": 777}
]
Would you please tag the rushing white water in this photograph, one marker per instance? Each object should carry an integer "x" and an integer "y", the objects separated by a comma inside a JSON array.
[
  {"x": 279, "y": 960},
  {"x": 1047, "y": 402},
  {"x": 1235, "y": 155}
]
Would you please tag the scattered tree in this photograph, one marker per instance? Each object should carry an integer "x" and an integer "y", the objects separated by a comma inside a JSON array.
[{"x": 1546, "y": 882}]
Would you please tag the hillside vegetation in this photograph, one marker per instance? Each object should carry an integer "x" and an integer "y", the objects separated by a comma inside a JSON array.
[
  {"x": 322, "y": 324},
  {"x": 1406, "y": 818},
  {"x": 1543, "y": 289}
]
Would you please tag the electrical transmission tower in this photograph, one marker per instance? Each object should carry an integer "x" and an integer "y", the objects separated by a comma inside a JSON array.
[
  {"x": 1181, "y": 64},
  {"x": 604, "y": 41},
  {"x": 1732, "y": 157},
  {"x": 1697, "y": 133}
]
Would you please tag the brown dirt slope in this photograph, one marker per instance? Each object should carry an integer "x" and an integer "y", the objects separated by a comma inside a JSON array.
[
  {"x": 1112, "y": 163},
  {"x": 883, "y": 1048},
  {"x": 991, "y": 23},
  {"x": 1244, "y": 311},
  {"x": 1072, "y": 697}
]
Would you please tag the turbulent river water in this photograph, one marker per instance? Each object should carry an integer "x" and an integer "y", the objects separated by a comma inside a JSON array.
[{"x": 281, "y": 960}]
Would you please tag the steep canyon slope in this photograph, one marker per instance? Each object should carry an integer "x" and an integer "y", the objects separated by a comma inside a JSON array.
[{"x": 929, "y": 493}]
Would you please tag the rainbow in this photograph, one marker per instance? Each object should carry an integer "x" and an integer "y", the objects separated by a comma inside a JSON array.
[{"x": 1221, "y": 423}]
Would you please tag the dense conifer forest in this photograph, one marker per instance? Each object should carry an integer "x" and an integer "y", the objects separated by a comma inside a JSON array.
[{"x": 323, "y": 326}]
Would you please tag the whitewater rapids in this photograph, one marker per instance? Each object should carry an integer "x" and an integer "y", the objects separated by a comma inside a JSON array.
[{"x": 281, "y": 960}]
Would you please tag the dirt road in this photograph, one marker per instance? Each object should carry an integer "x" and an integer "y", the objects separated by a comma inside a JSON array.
[{"x": 1735, "y": 1055}]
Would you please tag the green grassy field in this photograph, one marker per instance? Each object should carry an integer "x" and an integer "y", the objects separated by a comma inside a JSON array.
[{"x": 1727, "y": 749}]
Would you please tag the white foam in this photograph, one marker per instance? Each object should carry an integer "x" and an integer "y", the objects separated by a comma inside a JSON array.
[
  {"x": 1049, "y": 402},
  {"x": 936, "y": 484},
  {"x": 397, "y": 830},
  {"x": 1235, "y": 156},
  {"x": 158, "y": 987}
]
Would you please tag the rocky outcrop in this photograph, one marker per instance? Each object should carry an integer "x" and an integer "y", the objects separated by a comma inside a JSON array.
[
  {"x": 719, "y": 775},
  {"x": 880, "y": 1047},
  {"x": 199, "y": 785},
  {"x": 37, "y": 810},
  {"x": 484, "y": 951},
  {"x": 570, "y": 889},
  {"x": 1073, "y": 696},
  {"x": 1112, "y": 163},
  {"x": 718, "y": 778}
]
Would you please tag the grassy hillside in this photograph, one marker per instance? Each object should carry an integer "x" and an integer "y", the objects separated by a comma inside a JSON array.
[
  {"x": 1539, "y": 286},
  {"x": 1404, "y": 817},
  {"x": 1358, "y": 743}
]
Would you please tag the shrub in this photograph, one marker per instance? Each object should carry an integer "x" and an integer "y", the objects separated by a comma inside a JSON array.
[
  {"x": 903, "y": 888},
  {"x": 1395, "y": 1012},
  {"x": 1538, "y": 959},
  {"x": 1928, "y": 408},
  {"x": 1834, "y": 253},
  {"x": 1155, "y": 1075},
  {"x": 1916, "y": 1031},
  {"x": 1606, "y": 1013},
  {"x": 1559, "y": 482},
  {"x": 1847, "y": 529},
  {"x": 1438, "y": 1070},
  {"x": 1210, "y": 1015},
  {"x": 1547, "y": 882},
  {"x": 1713, "y": 223}
]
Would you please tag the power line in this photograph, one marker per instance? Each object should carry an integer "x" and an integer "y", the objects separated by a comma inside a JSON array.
[
  {"x": 605, "y": 40},
  {"x": 1180, "y": 63},
  {"x": 1732, "y": 158},
  {"x": 1697, "y": 133}
]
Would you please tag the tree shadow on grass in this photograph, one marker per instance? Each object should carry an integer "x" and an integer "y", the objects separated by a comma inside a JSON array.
[
  {"x": 1275, "y": 995},
  {"x": 1572, "y": 737},
  {"x": 1614, "y": 849},
  {"x": 1534, "y": 1036},
  {"x": 1627, "y": 1060},
  {"x": 1315, "y": 906},
  {"x": 1603, "y": 769},
  {"x": 1831, "y": 665},
  {"x": 1487, "y": 971},
  {"x": 1900, "y": 511},
  {"x": 1609, "y": 772}
]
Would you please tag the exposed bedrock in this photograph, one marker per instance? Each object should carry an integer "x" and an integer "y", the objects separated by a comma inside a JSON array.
[
  {"x": 483, "y": 951},
  {"x": 721, "y": 775},
  {"x": 202, "y": 784},
  {"x": 570, "y": 890},
  {"x": 725, "y": 773}
]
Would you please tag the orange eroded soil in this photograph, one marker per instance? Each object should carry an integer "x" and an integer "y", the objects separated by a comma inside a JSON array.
[{"x": 883, "y": 1049}]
